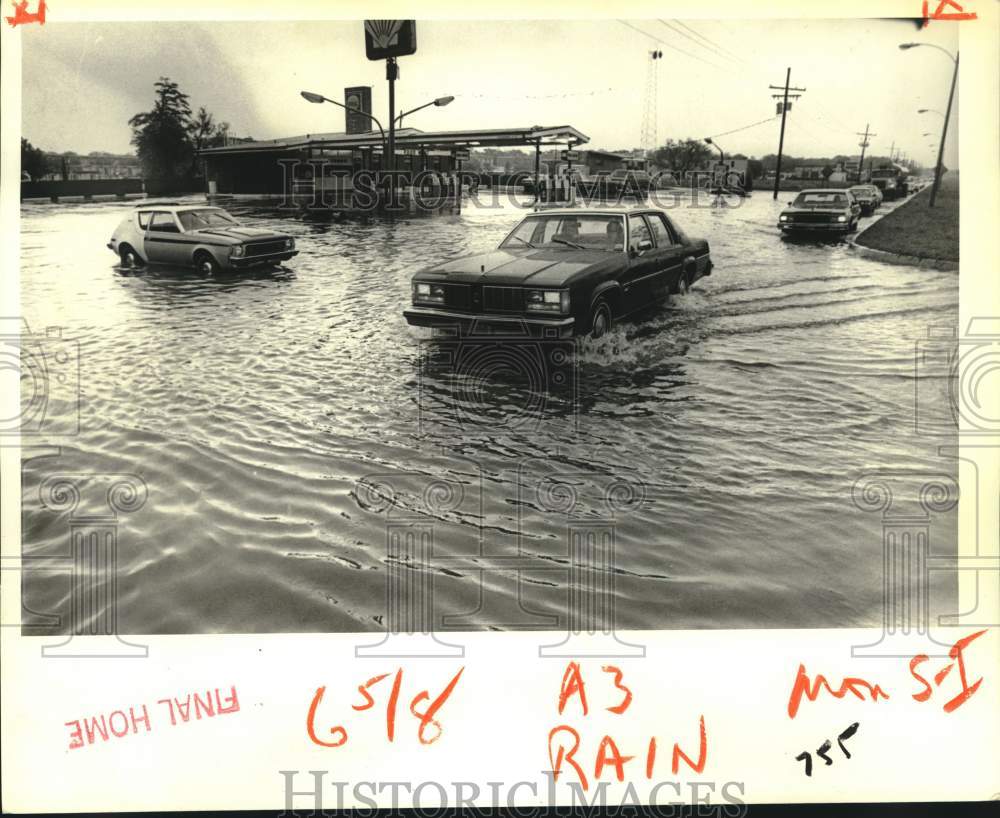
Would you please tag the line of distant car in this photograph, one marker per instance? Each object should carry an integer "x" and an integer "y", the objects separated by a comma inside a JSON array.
[
  {"x": 829, "y": 210},
  {"x": 558, "y": 273}
]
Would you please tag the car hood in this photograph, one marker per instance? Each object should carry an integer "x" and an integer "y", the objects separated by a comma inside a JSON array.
[
  {"x": 834, "y": 209},
  {"x": 239, "y": 234},
  {"x": 544, "y": 267}
]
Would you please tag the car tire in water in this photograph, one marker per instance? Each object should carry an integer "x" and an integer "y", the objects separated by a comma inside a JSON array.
[
  {"x": 205, "y": 262},
  {"x": 601, "y": 319},
  {"x": 129, "y": 257}
]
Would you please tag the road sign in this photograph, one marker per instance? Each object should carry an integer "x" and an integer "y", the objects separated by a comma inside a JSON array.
[
  {"x": 571, "y": 156},
  {"x": 460, "y": 154},
  {"x": 359, "y": 99},
  {"x": 390, "y": 38}
]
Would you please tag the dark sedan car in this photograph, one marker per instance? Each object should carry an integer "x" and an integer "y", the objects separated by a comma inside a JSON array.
[
  {"x": 561, "y": 273},
  {"x": 832, "y": 210}
]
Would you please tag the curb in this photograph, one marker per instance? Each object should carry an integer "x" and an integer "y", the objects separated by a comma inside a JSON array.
[{"x": 943, "y": 265}]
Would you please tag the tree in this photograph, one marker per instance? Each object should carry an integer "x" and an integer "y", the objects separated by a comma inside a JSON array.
[
  {"x": 162, "y": 136},
  {"x": 202, "y": 128},
  {"x": 34, "y": 162},
  {"x": 681, "y": 156}
]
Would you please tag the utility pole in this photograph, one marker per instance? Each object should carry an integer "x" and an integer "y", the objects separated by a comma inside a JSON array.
[
  {"x": 864, "y": 144},
  {"x": 391, "y": 73},
  {"x": 944, "y": 134},
  {"x": 892, "y": 151},
  {"x": 784, "y": 112}
]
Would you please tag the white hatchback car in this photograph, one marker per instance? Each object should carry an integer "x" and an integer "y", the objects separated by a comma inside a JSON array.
[{"x": 207, "y": 238}]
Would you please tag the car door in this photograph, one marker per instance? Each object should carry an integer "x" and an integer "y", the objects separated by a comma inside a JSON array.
[
  {"x": 637, "y": 286},
  {"x": 669, "y": 255},
  {"x": 164, "y": 243}
]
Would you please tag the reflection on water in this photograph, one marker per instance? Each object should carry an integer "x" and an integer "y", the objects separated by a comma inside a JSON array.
[{"x": 734, "y": 420}]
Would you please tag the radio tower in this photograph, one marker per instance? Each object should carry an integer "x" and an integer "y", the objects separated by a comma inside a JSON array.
[{"x": 649, "y": 138}]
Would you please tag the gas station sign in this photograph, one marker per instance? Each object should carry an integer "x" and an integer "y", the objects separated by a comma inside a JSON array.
[
  {"x": 358, "y": 98},
  {"x": 385, "y": 39}
]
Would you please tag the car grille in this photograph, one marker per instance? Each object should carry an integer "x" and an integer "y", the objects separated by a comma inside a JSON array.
[
  {"x": 503, "y": 299},
  {"x": 812, "y": 218},
  {"x": 457, "y": 296},
  {"x": 265, "y": 248}
]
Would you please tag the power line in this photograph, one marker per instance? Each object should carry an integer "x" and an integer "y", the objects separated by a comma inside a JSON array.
[
  {"x": 710, "y": 48},
  {"x": 745, "y": 127},
  {"x": 721, "y": 49},
  {"x": 668, "y": 45}
]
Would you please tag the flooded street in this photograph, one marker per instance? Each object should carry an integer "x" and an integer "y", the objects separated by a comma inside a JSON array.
[{"x": 257, "y": 407}]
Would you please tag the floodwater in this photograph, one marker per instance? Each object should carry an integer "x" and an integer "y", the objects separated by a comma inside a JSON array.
[{"x": 271, "y": 417}]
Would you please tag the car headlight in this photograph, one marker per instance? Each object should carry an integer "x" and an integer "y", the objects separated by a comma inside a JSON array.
[
  {"x": 548, "y": 301},
  {"x": 428, "y": 293},
  {"x": 841, "y": 218},
  {"x": 783, "y": 217},
  {"x": 237, "y": 251},
  {"x": 289, "y": 244}
]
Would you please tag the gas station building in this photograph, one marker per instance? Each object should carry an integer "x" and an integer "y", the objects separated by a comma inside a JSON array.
[{"x": 277, "y": 167}]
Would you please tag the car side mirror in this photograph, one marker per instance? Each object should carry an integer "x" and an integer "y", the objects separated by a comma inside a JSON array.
[{"x": 644, "y": 245}]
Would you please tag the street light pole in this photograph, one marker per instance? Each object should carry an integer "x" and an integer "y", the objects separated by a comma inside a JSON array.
[
  {"x": 947, "y": 113},
  {"x": 391, "y": 72},
  {"x": 319, "y": 98},
  {"x": 440, "y": 102},
  {"x": 944, "y": 134}
]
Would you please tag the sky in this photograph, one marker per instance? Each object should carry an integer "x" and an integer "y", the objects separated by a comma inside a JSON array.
[{"x": 83, "y": 81}]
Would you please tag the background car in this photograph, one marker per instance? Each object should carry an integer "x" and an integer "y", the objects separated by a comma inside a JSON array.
[
  {"x": 868, "y": 198},
  {"x": 561, "y": 273},
  {"x": 821, "y": 210},
  {"x": 207, "y": 238}
]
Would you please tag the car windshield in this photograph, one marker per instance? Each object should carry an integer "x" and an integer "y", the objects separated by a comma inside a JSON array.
[
  {"x": 209, "y": 217},
  {"x": 861, "y": 191},
  {"x": 821, "y": 197},
  {"x": 571, "y": 231}
]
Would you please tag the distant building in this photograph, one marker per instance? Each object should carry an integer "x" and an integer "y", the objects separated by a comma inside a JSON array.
[
  {"x": 808, "y": 172},
  {"x": 72, "y": 166},
  {"x": 328, "y": 161}
]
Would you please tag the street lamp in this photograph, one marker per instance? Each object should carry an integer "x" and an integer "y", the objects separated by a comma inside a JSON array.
[
  {"x": 946, "y": 115},
  {"x": 722, "y": 156},
  {"x": 722, "y": 160},
  {"x": 319, "y": 98},
  {"x": 440, "y": 102}
]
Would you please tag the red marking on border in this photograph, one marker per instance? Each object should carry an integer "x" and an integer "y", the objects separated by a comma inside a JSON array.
[
  {"x": 23, "y": 16},
  {"x": 941, "y": 14},
  {"x": 118, "y": 723}
]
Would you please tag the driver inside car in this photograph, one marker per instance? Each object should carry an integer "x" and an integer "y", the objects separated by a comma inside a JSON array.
[{"x": 615, "y": 234}]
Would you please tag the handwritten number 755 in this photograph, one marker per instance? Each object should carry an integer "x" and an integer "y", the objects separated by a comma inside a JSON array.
[{"x": 824, "y": 748}]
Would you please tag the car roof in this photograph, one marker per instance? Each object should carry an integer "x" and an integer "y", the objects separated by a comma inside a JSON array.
[
  {"x": 824, "y": 190},
  {"x": 629, "y": 210},
  {"x": 173, "y": 206}
]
